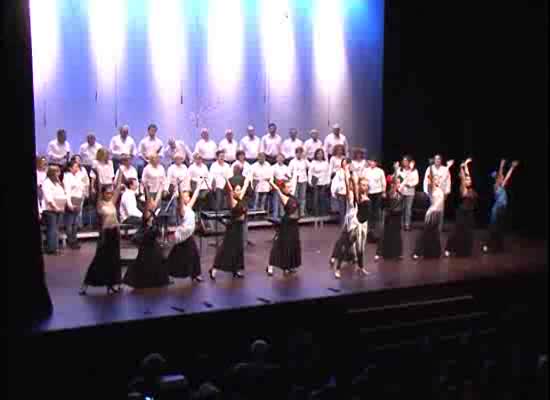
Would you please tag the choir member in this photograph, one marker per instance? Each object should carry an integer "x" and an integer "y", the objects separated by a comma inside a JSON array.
[
  {"x": 337, "y": 155},
  {"x": 75, "y": 188},
  {"x": 220, "y": 171},
  {"x": 335, "y": 138},
  {"x": 270, "y": 144},
  {"x": 262, "y": 173},
  {"x": 206, "y": 148},
  {"x": 281, "y": 174},
  {"x": 105, "y": 268},
  {"x": 408, "y": 175},
  {"x": 154, "y": 175},
  {"x": 149, "y": 145},
  {"x": 461, "y": 240},
  {"x": 495, "y": 242},
  {"x": 175, "y": 147},
  {"x": 129, "y": 212},
  {"x": 126, "y": 169},
  {"x": 198, "y": 176},
  {"x": 184, "y": 260},
  {"x": 230, "y": 255},
  {"x": 442, "y": 171},
  {"x": 358, "y": 162},
  {"x": 148, "y": 270},
  {"x": 312, "y": 144},
  {"x": 319, "y": 179},
  {"x": 178, "y": 172},
  {"x": 41, "y": 171},
  {"x": 286, "y": 252},
  {"x": 289, "y": 145},
  {"x": 88, "y": 151},
  {"x": 298, "y": 171},
  {"x": 250, "y": 144},
  {"x": 377, "y": 191},
  {"x": 338, "y": 189},
  {"x": 102, "y": 173},
  {"x": 121, "y": 144},
  {"x": 59, "y": 149},
  {"x": 55, "y": 200},
  {"x": 242, "y": 162},
  {"x": 230, "y": 146},
  {"x": 391, "y": 244}
]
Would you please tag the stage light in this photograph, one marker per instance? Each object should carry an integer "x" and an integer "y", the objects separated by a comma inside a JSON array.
[
  {"x": 167, "y": 49},
  {"x": 44, "y": 40},
  {"x": 107, "y": 20},
  {"x": 225, "y": 45}
]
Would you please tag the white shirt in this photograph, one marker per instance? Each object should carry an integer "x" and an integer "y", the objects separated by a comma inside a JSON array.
[
  {"x": 335, "y": 164},
  {"x": 130, "y": 172},
  {"x": 251, "y": 147},
  {"x": 149, "y": 145},
  {"x": 219, "y": 173},
  {"x": 230, "y": 149},
  {"x": 198, "y": 174},
  {"x": 120, "y": 146},
  {"x": 338, "y": 184},
  {"x": 206, "y": 149},
  {"x": 58, "y": 152},
  {"x": 74, "y": 186},
  {"x": 168, "y": 152},
  {"x": 357, "y": 167},
  {"x": 409, "y": 181},
  {"x": 331, "y": 140},
  {"x": 128, "y": 205},
  {"x": 54, "y": 193},
  {"x": 88, "y": 153},
  {"x": 245, "y": 166},
  {"x": 281, "y": 171},
  {"x": 40, "y": 177},
  {"x": 444, "y": 178},
  {"x": 271, "y": 145},
  {"x": 187, "y": 227},
  {"x": 106, "y": 172},
  {"x": 376, "y": 179},
  {"x": 289, "y": 146},
  {"x": 319, "y": 169},
  {"x": 262, "y": 174},
  {"x": 298, "y": 169},
  {"x": 154, "y": 177},
  {"x": 175, "y": 173},
  {"x": 82, "y": 174},
  {"x": 311, "y": 146}
]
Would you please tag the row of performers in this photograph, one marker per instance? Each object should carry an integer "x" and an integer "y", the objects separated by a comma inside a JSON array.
[{"x": 151, "y": 269}]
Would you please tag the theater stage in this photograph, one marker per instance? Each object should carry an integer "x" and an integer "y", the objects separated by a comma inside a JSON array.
[{"x": 314, "y": 281}]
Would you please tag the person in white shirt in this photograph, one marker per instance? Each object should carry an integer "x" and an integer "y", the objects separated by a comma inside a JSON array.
[
  {"x": 298, "y": 171},
  {"x": 59, "y": 149},
  {"x": 174, "y": 147},
  {"x": 229, "y": 145},
  {"x": 289, "y": 146},
  {"x": 198, "y": 176},
  {"x": 128, "y": 210},
  {"x": 127, "y": 169},
  {"x": 271, "y": 144},
  {"x": 408, "y": 175},
  {"x": 442, "y": 172},
  {"x": 220, "y": 171},
  {"x": 376, "y": 179},
  {"x": 178, "y": 172},
  {"x": 335, "y": 162},
  {"x": 84, "y": 178},
  {"x": 120, "y": 144},
  {"x": 149, "y": 145},
  {"x": 41, "y": 169},
  {"x": 262, "y": 173},
  {"x": 206, "y": 148},
  {"x": 154, "y": 175},
  {"x": 319, "y": 179},
  {"x": 103, "y": 172},
  {"x": 358, "y": 163},
  {"x": 338, "y": 190},
  {"x": 88, "y": 151},
  {"x": 75, "y": 188},
  {"x": 246, "y": 168},
  {"x": 250, "y": 144},
  {"x": 281, "y": 174},
  {"x": 55, "y": 200},
  {"x": 312, "y": 144},
  {"x": 335, "y": 138}
]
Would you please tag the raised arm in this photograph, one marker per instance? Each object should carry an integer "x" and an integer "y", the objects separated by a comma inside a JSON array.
[
  {"x": 509, "y": 173},
  {"x": 284, "y": 198},
  {"x": 194, "y": 197},
  {"x": 118, "y": 188}
]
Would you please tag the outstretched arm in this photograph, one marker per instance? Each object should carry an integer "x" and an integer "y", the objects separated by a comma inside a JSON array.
[
  {"x": 194, "y": 197},
  {"x": 284, "y": 198},
  {"x": 509, "y": 174},
  {"x": 118, "y": 188}
]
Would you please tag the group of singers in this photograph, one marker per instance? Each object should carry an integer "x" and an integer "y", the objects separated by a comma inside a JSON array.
[{"x": 152, "y": 185}]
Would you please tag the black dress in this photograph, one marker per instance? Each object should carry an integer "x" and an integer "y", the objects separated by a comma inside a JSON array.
[
  {"x": 105, "y": 268},
  {"x": 461, "y": 240},
  {"x": 230, "y": 254},
  {"x": 391, "y": 245},
  {"x": 286, "y": 252},
  {"x": 149, "y": 269},
  {"x": 428, "y": 243},
  {"x": 184, "y": 260}
]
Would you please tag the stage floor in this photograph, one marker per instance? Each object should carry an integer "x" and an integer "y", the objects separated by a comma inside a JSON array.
[{"x": 65, "y": 272}]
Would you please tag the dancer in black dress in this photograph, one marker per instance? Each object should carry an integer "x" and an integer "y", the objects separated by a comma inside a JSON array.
[
  {"x": 149, "y": 269},
  {"x": 184, "y": 260},
  {"x": 428, "y": 243},
  {"x": 495, "y": 242},
  {"x": 105, "y": 268},
  {"x": 230, "y": 255},
  {"x": 461, "y": 240},
  {"x": 286, "y": 252},
  {"x": 391, "y": 245}
]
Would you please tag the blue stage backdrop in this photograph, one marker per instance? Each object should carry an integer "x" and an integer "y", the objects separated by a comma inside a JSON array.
[{"x": 184, "y": 65}]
